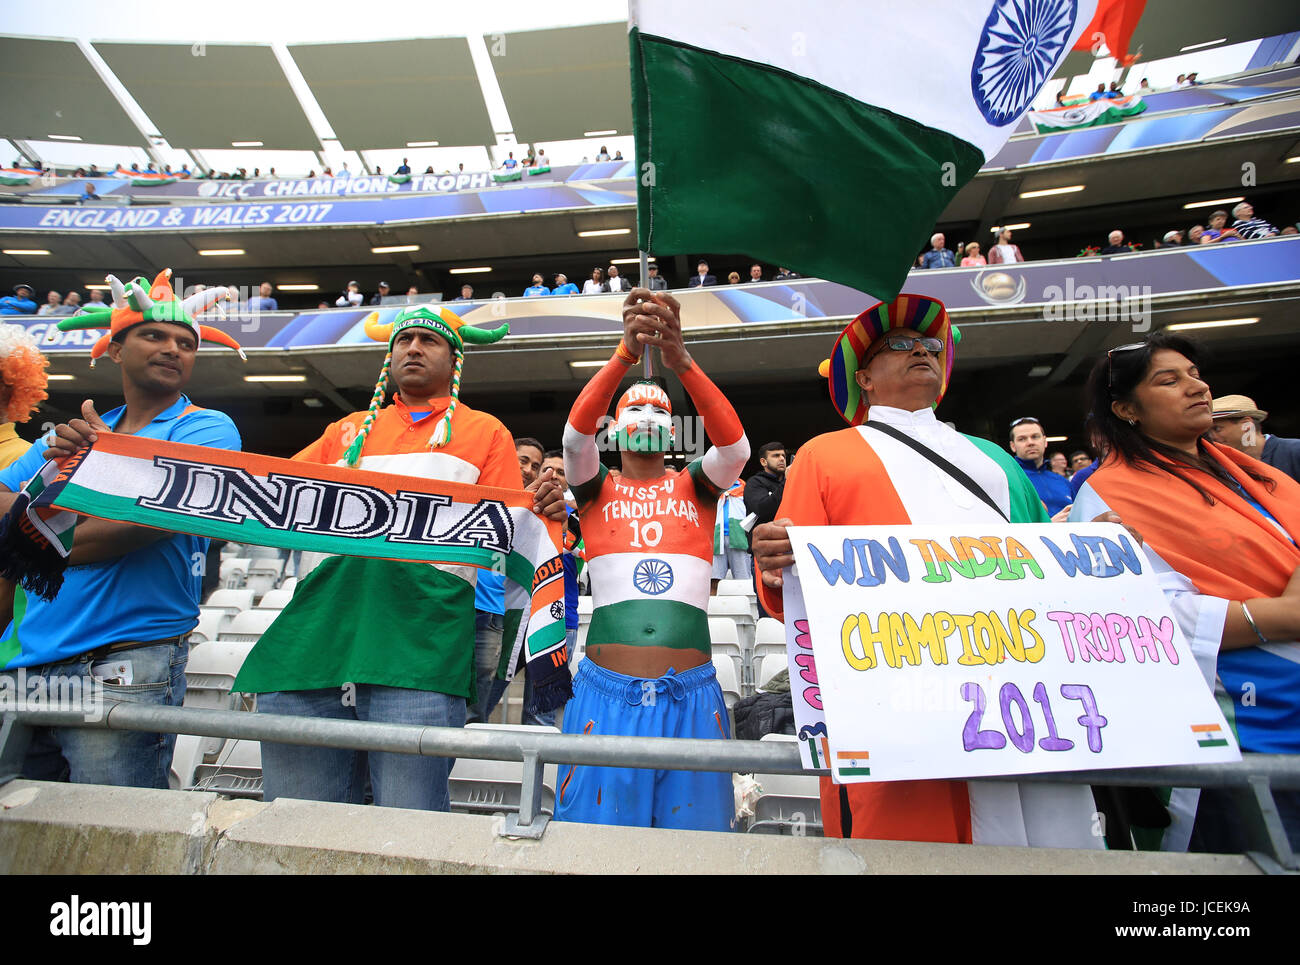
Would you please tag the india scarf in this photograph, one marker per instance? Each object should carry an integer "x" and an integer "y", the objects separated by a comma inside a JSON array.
[
  {"x": 247, "y": 498},
  {"x": 1195, "y": 538}
]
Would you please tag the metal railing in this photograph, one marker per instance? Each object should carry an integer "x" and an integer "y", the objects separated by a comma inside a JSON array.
[{"x": 1251, "y": 780}]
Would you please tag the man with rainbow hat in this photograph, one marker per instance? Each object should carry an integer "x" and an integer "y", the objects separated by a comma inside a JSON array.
[
  {"x": 130, "y": 594},
  {"x": 898, "y": 464},
  {"x": 379, "y": 640},
  {"x": 648, "y": 670}
]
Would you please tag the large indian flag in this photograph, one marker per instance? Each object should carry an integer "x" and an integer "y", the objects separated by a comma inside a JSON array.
[
  {"x": 1103, "y": 110},
  {"x": 827, "y": 136}
]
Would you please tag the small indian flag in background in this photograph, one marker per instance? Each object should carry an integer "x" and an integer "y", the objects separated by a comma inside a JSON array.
[
  {"x": 852, "y": 764},
  {"x": 1209, "y": 735}
]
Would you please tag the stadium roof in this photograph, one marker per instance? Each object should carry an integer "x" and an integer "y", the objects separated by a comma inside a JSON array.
[
  {"x": 381, "y": 95},
  {"x": 560, "y": 84},
  {"x": 54, "y": 89},
  {"x": 210, "y": 95}
]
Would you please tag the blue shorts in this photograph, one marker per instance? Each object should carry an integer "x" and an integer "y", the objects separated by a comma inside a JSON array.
[{"x": 688, "y": 704}]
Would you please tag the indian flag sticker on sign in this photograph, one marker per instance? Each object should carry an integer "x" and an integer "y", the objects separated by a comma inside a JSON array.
[
  {"x": 1209, "y": 735},
  {"x": 852, "y": 764}
]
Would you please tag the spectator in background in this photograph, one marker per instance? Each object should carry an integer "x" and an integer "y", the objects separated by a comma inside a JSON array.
[
  {"x": 618, "y": 155},
  {"x": 655, "y": 282},
  {"x": 563, "y": 286},
  {"x": 733, "y": 278},
  {"x": 71, "y": 304},
  {"x": 785, "y": 274},
  {"x": 271, "y": 174},
  {"x": 1195, "y": 233},
  {"x": 603, "y": 155},
  {"x": 1144, "y": 87},
  {"x": 1237, "y": 424},
  {"x": 351, "y": 298},
  {"x": 323, "y": 305},
  {"x": 1098, "y": 94},
  {"x": 542, "y": 160},
  {"x": 1217, "y": 230},
  {"x": 938, "y": 256},
  {"x": 1248, "y": 226},
  {"x": 973, "y": 257},
  {"x": 257, "y": 173},
  {"x": 466, "y": 294},
  {"x": 596, "y": 284},
  {"x": 617, "y": 283},
  {"x": 262, "y": 301},
  {"x": 378, "y": 297},
  {"x": 429, "y": 169},
  {"x": 1181, "y": 82},
  {"x": 731, "y": 559},
  {"x": 1028, "y": 444},
  {"x": 88, "y": 194},
  {"x": 21, "y": 391},
  {"x": 755, "y": 272},
  {"x": 1079, "y": 459},
  {"x": 1192, "y": 81},
  {"x": 763, "y": 492},
  {"x": 536, "y": 289},
  {"x": 1003, "y": 251},
  {"x": 96, "y": 297},
  {"x": 1115, "y": 244},
  {"x": 510, "y": 163},
  {"x": 1172, "y": 239},
  {"x": 52, "y": 302},
  {"x": 1114, "y": 91},
  {"x": 403, "y": 168},
  {"x": 20, "y": 302},
  {"x": 1059, "y": 464},
  {"x": 702, "y": 278},
  {"x": 1060, "y": 99}
]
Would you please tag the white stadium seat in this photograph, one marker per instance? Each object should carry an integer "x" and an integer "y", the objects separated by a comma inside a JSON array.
[
  {"x": 735, "y": 588},
  {"x": 769, "y": 637},
  {"x": 789, "y": 803},
  {"x": 725, "y": 644},
  {"x": 275, "y": 599},
  {"x": 768, "y": 666},
  {"x": 738, "y": 610},
  {"x": 234, "y": 571},
  {"x": 249, "y": 625},
  {"x": 489, "y": 787},
  {"x": 728, "y": 679},
  {"x": 236, "y": 770},
  {"x": 264, "y": 574}
]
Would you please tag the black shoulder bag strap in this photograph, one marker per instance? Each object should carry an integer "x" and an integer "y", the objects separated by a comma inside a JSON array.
[{"x": 939, "y": 461}]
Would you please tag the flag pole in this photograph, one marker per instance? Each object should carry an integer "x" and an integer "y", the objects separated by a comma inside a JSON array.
[{"x": 647, "y": 357}]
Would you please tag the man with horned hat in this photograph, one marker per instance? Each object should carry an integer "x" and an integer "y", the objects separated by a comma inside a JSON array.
[
  {"x": 130, "y": 595},
  {"x": 649, "y": 534},
  {"x": 898, "y": 464},
  {"x": 385, "y": 641}
]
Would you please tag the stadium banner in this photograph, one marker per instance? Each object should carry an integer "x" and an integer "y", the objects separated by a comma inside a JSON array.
[
  {"x": 953, "y": 651},
  {"x": 268, "y": 189},
  {"x": 315, "y": 212},
  {"x": 1122, "y": 290},
  {"x": 248, "y": 498}
]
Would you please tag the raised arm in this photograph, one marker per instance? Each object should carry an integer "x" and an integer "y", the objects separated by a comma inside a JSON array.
[{"x": 581, "y": 458}]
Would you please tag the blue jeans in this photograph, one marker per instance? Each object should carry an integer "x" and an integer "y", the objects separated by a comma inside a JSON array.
[
  {"x": 335, "y": 774},
  {"x": 488, "y": 628},
  {"x": 93, "y": 756}
]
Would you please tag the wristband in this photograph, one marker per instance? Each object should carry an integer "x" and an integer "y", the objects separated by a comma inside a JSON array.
[
  {"x": 1250, "y": 620},
  {"x": 623, "y": 355}
]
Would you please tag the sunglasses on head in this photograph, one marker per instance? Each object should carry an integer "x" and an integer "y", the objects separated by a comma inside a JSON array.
[
  {"x": 1024, "y": 419},
  {"x": 1110, "y": 360}
]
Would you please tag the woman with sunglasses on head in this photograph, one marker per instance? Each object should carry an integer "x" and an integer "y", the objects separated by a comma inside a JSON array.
[{"x": 1221, "y": 529}]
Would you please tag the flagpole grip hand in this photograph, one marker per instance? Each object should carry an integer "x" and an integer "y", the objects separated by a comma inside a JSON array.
[{"x": 76, "y": 433}]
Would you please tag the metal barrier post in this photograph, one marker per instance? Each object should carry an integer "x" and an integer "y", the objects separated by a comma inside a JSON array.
[
  {"x": 1263, "y": 825},
  {"x": 530, "y": 822},
  {"x": 15, "y": 737}
]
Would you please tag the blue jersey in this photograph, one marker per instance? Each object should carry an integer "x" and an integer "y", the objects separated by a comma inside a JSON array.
[{"x": 151, "y": 593}]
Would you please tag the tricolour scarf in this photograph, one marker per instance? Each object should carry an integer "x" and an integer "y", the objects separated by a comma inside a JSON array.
[
  {"x": 1227, "y": 550},
  {"x": 247, "y": 498}
]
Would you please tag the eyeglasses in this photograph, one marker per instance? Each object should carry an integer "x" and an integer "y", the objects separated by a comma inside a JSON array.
[
  {"x": 1110, "y": 360},
  {"x": 906, "y": 343}
]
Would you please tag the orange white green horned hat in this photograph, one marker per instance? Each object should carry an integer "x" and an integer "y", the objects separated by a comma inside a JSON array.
[
  {"x": 917, "y": 312},
  {"x": 440, "y": 321},
  {"x": 138, "y": 302}
]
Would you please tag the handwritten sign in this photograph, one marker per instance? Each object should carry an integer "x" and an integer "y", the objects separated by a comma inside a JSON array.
[{"x": 934, "y": 652}]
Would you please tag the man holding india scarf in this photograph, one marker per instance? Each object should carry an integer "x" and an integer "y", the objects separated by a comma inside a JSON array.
[
  {"x": 379, "y": 640},
  {"x": 130, "y": 595}
]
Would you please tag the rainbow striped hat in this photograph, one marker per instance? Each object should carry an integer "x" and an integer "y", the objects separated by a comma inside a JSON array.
[{"x": 917, "y": 312}]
